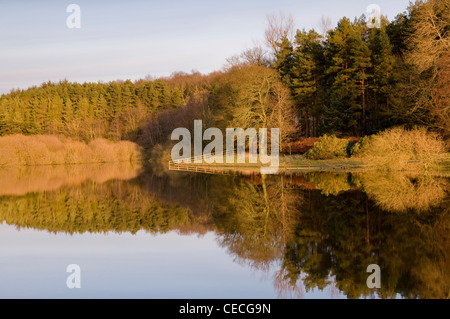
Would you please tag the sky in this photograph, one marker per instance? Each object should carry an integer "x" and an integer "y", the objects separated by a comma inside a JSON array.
[{"x": 135, "y": 38}]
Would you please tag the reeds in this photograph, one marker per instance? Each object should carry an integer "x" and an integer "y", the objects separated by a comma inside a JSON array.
[{"x": 20, "y": 150}]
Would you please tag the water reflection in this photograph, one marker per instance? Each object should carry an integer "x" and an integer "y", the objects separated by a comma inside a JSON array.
[
  {"x": 23, "y": 180},
  {"x": 315, "y": 230},
  {"x": 402, "y": 192}
]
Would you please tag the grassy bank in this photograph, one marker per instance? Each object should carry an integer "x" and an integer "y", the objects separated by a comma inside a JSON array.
[
  {"x": 293, "y": 162},
  {"x": 299, "y": 163},
  {"x": 396, "y": 149},
  {"x": 288, "y": 163},
  {"x": 20, "y": 150}
]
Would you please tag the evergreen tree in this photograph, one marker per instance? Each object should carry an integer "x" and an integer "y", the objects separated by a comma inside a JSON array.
[
  {"x": 383, "y": 63},
  {"x": 306, "y": 75},
  {"x": 349, "y": 60},
  {"x": 284, "y": 60},
  {"x": 83, "y": 110}
]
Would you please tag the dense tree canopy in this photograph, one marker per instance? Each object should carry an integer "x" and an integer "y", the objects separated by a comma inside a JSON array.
[
  {"x": 358, "y": 80},
  {"x": 88, "y": 110},
  {"x": 350, "y": 80}
]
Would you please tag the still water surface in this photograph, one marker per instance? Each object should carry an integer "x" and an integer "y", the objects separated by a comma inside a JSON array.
[{"x": 139, "y": 234}]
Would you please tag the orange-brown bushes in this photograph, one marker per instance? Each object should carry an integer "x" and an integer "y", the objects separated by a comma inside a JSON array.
[
  {"x": 400, "y": 149},
  {"x": 302, "y": 146},
  {"x": 20, "y": 150}
]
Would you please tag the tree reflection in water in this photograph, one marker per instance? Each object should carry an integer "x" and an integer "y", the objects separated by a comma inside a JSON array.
[{"x": 314, "y": 231}]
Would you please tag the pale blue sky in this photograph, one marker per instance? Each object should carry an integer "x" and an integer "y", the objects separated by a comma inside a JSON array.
[
  {"x": 136, "y": 266},
  {"x": 132, "y": 39}
]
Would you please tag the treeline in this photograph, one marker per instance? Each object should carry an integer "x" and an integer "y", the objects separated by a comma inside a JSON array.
[
  {"x": 95, "y": 208},
  {"x": 352, "y": 80},
  {"x": 357, "y": 79},
  {"x": 91, "y": 110}
]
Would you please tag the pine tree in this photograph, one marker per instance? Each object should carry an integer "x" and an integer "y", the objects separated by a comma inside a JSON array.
[
  {"x": 383, "y": 62},
  {"x": 349, "y": 60},
  {"x": 128, "y": 94},
  {"x": 54, "y": 115},
  {"x": 4, "y": 129},
  {"x": 67, "y": 114},
  {"x": 176, "y": 98},
  {"x": 101, "y": 108},
  {"x": 284, "y": 60},
  {"x": 306, "y": 75}
]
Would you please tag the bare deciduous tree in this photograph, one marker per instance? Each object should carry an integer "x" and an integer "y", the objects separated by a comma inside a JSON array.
[
  {"x": 325, "y": 25},
  {"x": 278, "y": 27},
  {"x": 429, "y": 45},
  {"x": 430, "y": 38},
  {"x": 256, "y": 55},
  {"x": 253, "y": 56}
]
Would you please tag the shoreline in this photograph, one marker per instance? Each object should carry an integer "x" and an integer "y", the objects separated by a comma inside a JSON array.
[{"x": 297, "y": 164}]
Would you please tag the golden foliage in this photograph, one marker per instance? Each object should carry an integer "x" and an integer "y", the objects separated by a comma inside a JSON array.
[
  {"x": 24, "y": 180},
  {"x": 328, "y": 147},
  {"x": 400, "y": 149},
  {"x": 20, "y": 150},
  {"x": 330, "y": 183},
  {"x": 400, "y": 192},
  {"x": 95, "y": 208}
]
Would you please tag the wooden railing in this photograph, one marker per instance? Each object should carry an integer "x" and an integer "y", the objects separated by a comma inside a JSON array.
[
  {"x": 201, "y": 167},
  {"x": 184, "y": 167}
]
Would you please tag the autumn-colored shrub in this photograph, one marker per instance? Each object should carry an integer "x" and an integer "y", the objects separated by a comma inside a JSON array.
[
  {"x": 396, "y": 191},
  {"x": 330, "y": 183},
  {"x": 328, "y": 147},
  {"x": 356, "y": 148},
  {"x": 20, "y": 150},
  {"x": 302, "y": 146},
  {"x": 401, "y": 149}
]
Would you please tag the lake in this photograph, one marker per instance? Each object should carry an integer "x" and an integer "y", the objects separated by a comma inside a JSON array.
[{"x": 135, "y": 233}]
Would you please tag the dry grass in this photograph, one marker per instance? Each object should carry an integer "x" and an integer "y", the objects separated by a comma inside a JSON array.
[{"x": 19, "y": 150}]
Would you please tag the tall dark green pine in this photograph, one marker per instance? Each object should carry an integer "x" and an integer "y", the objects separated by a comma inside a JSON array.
[
  {"x": 383, "y": 63},
  {"x": 128, "y": 95},
  {"x": 114, "y": 95},
  {"x": 361, "y": 62},
  {"x": 154, "y": 98},
  {"x": 163, "y": 94},
  {"x": 284, "y": 60},
  {"x": 306, "y": 74},
  {"x": 349, "y": 61},
  {"x": 144, "y": 94}
]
